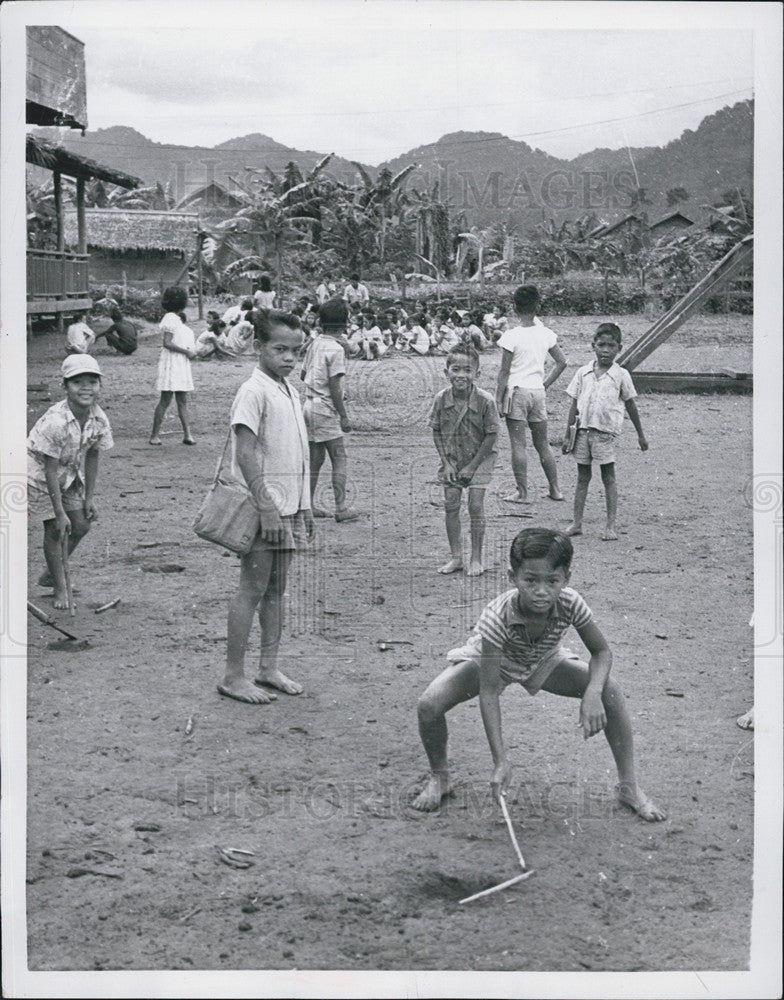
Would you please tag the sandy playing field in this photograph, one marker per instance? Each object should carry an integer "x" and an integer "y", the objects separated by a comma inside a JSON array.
[{"x": 128, "y": 804}]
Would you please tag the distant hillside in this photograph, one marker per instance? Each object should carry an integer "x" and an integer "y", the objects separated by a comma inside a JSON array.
[
  {"x": 190, "y": 167},
  {"x": 496, "y": 179},
  {"x": 486, "y": 175}
]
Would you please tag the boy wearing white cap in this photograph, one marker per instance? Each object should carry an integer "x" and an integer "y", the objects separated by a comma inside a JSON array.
[{"x": 62, "y": 466}]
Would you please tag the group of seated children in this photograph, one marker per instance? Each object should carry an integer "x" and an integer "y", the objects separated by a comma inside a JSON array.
[{"x": 371, "y": 335}]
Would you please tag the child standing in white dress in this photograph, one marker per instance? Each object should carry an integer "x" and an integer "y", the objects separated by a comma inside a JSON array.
[{"x": 174, "y": 364}]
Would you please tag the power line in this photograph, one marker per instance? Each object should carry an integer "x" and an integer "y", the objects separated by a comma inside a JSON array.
[{"x": 473, "y": 141}]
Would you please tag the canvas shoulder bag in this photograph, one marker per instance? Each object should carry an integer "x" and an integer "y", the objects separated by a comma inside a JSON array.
[{"x": 228, "y": 516}]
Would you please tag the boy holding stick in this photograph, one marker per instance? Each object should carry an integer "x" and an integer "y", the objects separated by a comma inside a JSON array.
[
  {"x": 518, "y": 640},
  {"x": 62, "y": 467}
]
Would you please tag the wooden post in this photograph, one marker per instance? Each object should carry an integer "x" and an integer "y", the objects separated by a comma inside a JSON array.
[
  {"x": 81, "y": 224},
  {"x": 199, "y": 291},
  {"x": 58, "y": 207},
  {"x": 664, "y": 327}
]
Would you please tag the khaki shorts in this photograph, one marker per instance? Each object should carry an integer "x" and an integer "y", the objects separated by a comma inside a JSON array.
[
  {"x": 295, "y": 536},
  {"x": 321, "y": 420},
  {"x": 532, "y": 681},
  {"x": 594, "y": 446},
  {"x": 39, "y": 503},
  {"x": 528, "y": 405}
]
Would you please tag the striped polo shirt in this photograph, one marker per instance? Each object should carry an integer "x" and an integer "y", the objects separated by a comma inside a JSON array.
[{"x": 503, "y": 625}]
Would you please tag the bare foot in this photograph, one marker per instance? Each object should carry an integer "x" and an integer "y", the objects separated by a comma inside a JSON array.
[
  {"x": 515, "y": 498},
  {"x": 555, "y": 496},
  {"x": 475, "y": 568},
  {"x": 346, "y": 514},
  {"x": 318, "y": 512},
  {"x": 609, "y": 534},
  {"x": 275, "y": 679},
  {"x": 453, "y": 566},
  {"x": 636, "y": 799},
  {"x": 155, "y": 441},
  {"x": 188, "y": 440},
  {"x": 574, "y": 529},
  {"x": 241, "y": 689},
  {"x": 60, "y": 601},
  {"x": 46, "y": 579},
  {"x": 746, "y": 721},
  {"x": 436, "y": 789}
]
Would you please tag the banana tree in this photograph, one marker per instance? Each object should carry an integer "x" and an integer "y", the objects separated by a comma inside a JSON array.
[
  {"x": 278, "y": 213},
  {"x": 384, "y": 197}
]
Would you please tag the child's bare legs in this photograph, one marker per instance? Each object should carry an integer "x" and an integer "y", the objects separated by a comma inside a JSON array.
[
  {"x": 181, "y": 399},
  {"x": 157, "y": 418},
  {"x": 260, "y": 570},
  {"x": 452, "y": 495},
  {"x": 611, "y": 498},
  {"x": 458, "y": 683},
  {"x": 580, "y": 494},
  {"x": 336, "y": 449},
  {"x": 476, "y": 513},
  {"x": 539, "y": 437},
  {"x": 271, "y": 622},
  {"x": 53, "y": 553},
  {"x": 516, "y": 430},
  {"x": 570, "y": 679},
  {"x": 318, "y": 453}
]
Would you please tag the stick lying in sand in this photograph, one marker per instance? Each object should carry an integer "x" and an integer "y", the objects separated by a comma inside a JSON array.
[
  {"x": 107, "y": 606},
  {"x": 505, "y": 811},
  {"x": 497, "y": 888}
]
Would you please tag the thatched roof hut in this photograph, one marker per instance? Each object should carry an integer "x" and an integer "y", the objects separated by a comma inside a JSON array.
[
  {"x": 114, "y": 229},
  {"x": 41, "y": 153}
]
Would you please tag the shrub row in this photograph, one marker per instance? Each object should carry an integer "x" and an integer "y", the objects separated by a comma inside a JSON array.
[
  {"x": 142, "y": 303},
  {"x": 578, "y": 296}
]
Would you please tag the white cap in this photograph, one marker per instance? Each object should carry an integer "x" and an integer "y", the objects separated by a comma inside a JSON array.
[{"x": 79, "y": 364}]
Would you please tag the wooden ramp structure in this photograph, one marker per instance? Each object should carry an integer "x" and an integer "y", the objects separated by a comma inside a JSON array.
[{"x": 738, "y": 258}]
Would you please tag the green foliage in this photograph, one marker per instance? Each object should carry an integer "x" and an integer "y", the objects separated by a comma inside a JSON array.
[{"x": 134, "y": 302}]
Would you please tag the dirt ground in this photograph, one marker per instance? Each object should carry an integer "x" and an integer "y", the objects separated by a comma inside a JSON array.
[{"x": 344, "y": 875}]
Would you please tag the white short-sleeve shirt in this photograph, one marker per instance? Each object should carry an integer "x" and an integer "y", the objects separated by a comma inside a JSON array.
[
  {"x": 601, "y": 397},
  {"x": 271, "y": 409},
  {"x": 80, "y": 337},
  {"x": 529, "y": 346}
]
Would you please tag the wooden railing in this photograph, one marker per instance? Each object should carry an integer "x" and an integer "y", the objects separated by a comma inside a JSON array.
[{"x": 54, "y": 274}]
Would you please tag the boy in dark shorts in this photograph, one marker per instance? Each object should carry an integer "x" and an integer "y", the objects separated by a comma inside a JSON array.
[{"x": 269, "y": 459}]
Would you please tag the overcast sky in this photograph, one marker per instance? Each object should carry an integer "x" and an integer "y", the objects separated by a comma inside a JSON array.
[{"x": 370, "y": 81}]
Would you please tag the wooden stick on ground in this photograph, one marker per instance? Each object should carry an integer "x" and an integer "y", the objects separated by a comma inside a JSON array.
[
  {"x": 496, "y": 888},
  {"x": 505, "y": 811},
  {"x": 67, "y": 574}
]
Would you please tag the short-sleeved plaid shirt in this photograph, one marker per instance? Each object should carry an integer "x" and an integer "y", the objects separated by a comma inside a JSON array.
[
  {"x": 463, "y": 425},
  {"x": 503, "y": 625}
]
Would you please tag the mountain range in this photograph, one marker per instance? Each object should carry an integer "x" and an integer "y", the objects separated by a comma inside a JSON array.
[{"x": 487, "y": 176}]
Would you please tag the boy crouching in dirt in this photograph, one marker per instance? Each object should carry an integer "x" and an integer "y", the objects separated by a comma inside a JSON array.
[
  {"x": 518, "y": 640},
  {"x": 62, "y": 466},
  {"x": 270, "y": 459},
  {"x": 464, "y": 420}
]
